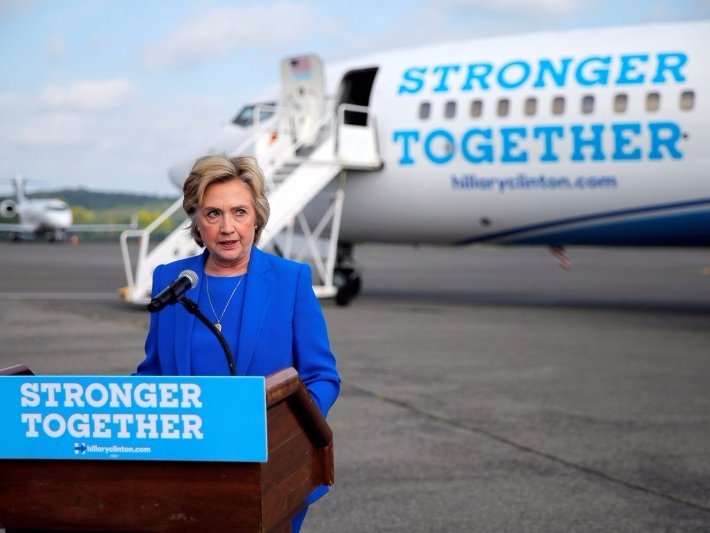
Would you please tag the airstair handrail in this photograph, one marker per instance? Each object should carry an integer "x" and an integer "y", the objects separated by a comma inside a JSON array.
[
  {"x": 279, "y": 158},
  {"x": 144, "y": 235},
  {"x": 342, "y": 108},
  {"x": 258, "y": 124},
  {"x": 370, "y": 123},
  {"x": 327, "y": 117}
]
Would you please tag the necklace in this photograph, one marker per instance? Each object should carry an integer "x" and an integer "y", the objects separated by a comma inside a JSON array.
[{"x": 218, "y": 323}]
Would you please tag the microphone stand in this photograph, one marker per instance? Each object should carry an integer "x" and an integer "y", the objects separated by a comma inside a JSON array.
[{"x": 192, "y": 308}]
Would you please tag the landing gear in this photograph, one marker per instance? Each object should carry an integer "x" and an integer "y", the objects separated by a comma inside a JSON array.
[
  {"x": 55, "y": 236},
  {"x": 346, "y": 275},
  {"x": 348, "y": 283}
]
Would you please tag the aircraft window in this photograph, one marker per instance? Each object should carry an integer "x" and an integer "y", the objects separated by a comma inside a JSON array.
[
  {"x": 476, "y": 108},
  {"x": 687, "y": 100},
  {"x": 587, "y": 104},
  {"x": 530, "y": 106},
  {"x": 245, "y": 117},
  {"x": 503, "y": 107},
  {"x": 450, "y": 109},
  {"x": 424, "y": 110},
  {"x": 621, "y": 102},
  {"x": 653, "y": 101},
  {"x": 266, "y": 112},
  {"x": 558, "y": 105}
]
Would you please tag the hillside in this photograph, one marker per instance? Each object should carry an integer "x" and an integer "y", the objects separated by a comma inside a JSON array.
[{"x": 99, "y": 201}]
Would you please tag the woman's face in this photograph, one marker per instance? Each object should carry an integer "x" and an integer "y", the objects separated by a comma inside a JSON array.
[{"x": 227, "y": 221}]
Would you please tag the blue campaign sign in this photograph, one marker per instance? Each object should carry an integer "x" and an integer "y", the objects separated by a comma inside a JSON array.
[{"x": 156, "y": 418}]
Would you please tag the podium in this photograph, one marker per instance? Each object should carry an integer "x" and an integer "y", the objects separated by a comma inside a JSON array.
[{"x": 152, "y": 496}]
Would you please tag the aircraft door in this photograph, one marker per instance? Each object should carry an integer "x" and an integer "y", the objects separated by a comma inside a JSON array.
[
  {"x": 356, "y": 88},
  {"x": 356, "y": 141},
  {"x": 303, "y": 96}
]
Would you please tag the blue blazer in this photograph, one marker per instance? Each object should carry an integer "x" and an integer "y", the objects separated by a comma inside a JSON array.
[{"x": 282, "y": 326}]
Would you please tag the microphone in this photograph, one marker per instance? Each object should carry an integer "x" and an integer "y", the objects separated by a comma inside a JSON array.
[{"x": 172, "y": 293}]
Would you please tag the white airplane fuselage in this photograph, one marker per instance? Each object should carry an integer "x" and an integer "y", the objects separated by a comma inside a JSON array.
[
  {"x": 580, "y": 137},
  {"x": 45, "y": 215},
  {"x": 584, "y": 137}
]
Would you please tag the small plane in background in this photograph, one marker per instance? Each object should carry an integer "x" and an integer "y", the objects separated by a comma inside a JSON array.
[
  {"x": 48, "y": 218},
  {"x": 583, "y": 137}
]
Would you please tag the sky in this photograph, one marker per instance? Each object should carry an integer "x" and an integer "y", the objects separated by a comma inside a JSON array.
[{"x": 107, "y": 94}]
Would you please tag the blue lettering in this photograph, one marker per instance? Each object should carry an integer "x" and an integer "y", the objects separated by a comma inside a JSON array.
[
  {"x": 586, "y": 71},
  {"x": 593, "y": 75},
  {"x": 559, "y": 77},
  {"x": 477, "y": 71},
  {"x": 448, "y": 146},
  {"x": 546, "y": 132},
  {"x": 485, "y": 149},
  {"x": 664, "y": 134},
  {"x": 510, "y": 144},
  {"x": 414, "y": 76},
  {"x": 520, "y": 144},
  {"x": 406, "y": 136},
  {"x": 595, "y": 142},
  {"x": 522, "y": 77},
  {"x": 471, "y": 181},
  {"x": 444, "y": 69},
  {"x": 628, "y": 68},
  {"x": 671, "y": 62},
  {"x": 622, "y": 140}
]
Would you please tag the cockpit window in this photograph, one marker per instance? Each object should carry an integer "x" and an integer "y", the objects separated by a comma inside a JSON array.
[{"x": 246, "y": 115}]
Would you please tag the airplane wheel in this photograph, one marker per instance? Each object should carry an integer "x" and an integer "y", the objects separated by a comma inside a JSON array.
[
  {"x": 355, "y": 284},
  {"x": 348, "y": 283},
  {"x": 343, "y": 296}
]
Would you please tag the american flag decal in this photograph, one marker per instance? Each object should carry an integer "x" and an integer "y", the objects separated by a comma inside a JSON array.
[
  {"x": 301, "y": 68},
  {"x": 562, "y": 258}
]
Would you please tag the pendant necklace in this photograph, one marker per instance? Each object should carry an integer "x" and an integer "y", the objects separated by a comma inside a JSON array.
[{"x": 218, "y": 323}]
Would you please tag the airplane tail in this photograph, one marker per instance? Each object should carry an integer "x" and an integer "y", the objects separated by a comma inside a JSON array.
[{"x": 19, "y": 184}]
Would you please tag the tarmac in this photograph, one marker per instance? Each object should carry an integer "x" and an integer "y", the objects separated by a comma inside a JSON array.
[{"x": 484, "y": 389}]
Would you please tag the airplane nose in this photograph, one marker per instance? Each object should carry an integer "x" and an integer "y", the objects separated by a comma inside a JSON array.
[
  {"x": 178, "y": 173},
  {"x": 228, "y": 139},
  {"x": 58, "y": 219}
]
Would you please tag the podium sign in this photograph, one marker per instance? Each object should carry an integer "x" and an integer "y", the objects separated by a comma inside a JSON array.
[{"x": 151, "y": 418}]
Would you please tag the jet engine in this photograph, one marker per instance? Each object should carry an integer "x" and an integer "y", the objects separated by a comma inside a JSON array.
[{"x": 8, "y": 208}]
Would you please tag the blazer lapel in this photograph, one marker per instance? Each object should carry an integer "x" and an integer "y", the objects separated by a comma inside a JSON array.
[
  {"x": 185, "y": 321},
  {"x": 259, "y": 289}
]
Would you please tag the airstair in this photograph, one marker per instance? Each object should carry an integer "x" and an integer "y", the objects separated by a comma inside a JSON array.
[{"x": 298, "y": 169}]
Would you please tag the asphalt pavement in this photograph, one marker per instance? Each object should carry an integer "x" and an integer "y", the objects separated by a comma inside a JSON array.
[{"x": 484, "y": 389}]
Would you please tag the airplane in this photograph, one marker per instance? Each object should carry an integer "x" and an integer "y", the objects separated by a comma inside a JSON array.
[
  {"x": 579, "y": 137},
  {"x": 44, "y": 218}
]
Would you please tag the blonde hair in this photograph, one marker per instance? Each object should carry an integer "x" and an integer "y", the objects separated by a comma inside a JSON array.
[{"x": 219, "y": 169}]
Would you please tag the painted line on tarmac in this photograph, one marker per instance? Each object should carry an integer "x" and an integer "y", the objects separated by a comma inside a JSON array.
[{"x": 76, "y": 296}]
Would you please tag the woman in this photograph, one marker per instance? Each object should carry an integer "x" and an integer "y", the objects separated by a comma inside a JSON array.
[{"x": 263, "y": 305}]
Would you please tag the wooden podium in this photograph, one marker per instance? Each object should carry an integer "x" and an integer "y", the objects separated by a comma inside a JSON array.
[{"x": 65, "y": 495}]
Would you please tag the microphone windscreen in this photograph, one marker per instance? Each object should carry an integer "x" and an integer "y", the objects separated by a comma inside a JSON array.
[{"x": 189, "y": 274}]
